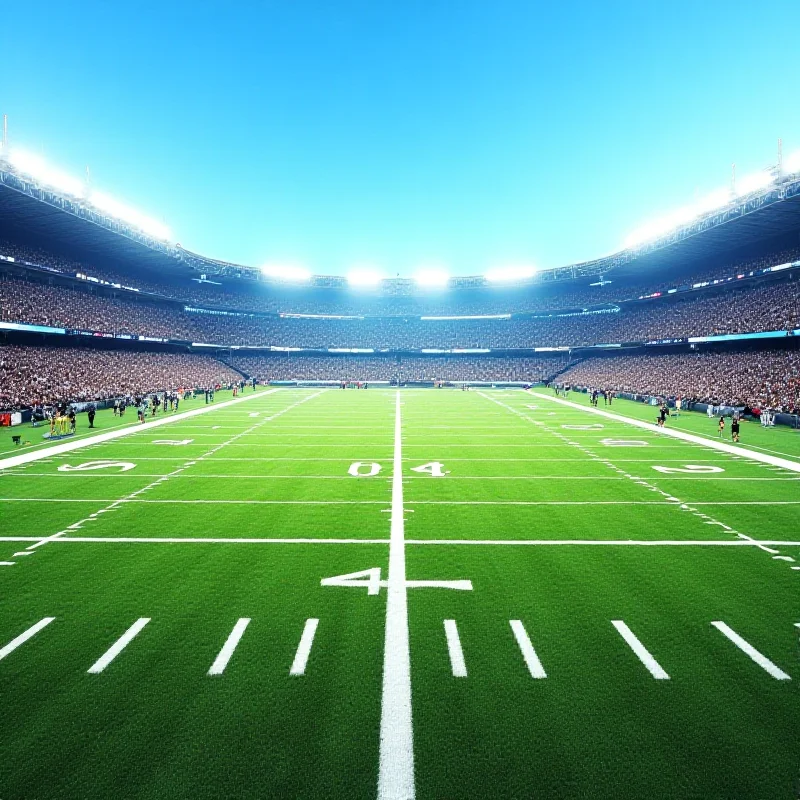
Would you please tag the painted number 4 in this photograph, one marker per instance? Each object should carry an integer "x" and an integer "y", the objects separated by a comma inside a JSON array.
[{"x": 435, "y": 469}]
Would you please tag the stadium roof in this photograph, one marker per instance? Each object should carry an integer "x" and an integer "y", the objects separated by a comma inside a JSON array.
[{"x": 35, "y": 210}]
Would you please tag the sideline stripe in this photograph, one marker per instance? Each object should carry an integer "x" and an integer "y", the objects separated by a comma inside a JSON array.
[
  {"x": 23, "y": 637},
  {"x": 221, "y": 661},
  {"x": 67, "y": 447},
  {"x": 526, "y": 648},
  {"x": 643, "y": 654},
  {"x": 396, "y": 770},
  {"x": 304, "y": 648},
  {"x": 709, "y": 444},
  {"x": 748, "y": 649},
  {"x": 454, "y": 650},
  {"x": 118, "y": 646}
]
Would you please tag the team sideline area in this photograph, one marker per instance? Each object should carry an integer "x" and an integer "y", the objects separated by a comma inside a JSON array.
[{"x": 431, "y": 593}]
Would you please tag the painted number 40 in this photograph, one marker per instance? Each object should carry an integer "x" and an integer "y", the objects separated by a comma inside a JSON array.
[{"x": 367, "y": 469}]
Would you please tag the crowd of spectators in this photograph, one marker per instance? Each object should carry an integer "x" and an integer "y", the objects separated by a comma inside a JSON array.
[
  {"x": 773, "y": 306},
  {"x": 767, "y": 379},
  {"x": 397, "y": 370},
  {"x": 261, "y": 297},
  {"x": 46, "y": 375}
]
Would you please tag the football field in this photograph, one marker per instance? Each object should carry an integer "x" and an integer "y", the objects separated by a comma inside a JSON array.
[{"x": 316, "y": 593}]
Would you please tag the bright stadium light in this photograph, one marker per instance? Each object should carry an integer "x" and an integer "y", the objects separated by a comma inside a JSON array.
[
  {"x": 107, "y": 204},
  {"x": 753, "y": 182},
  {"x": 287, "y": 272},
  {"x": 791, "y": 163},
  {"x": 364, "y": 277},
  {"x": 37, "y": 168},
  {"x": 432, "y": 278},
  {"x": 511, "y": 274}
]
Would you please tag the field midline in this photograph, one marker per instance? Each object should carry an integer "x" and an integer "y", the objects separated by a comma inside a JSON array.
[{"x": 420, "y": 542}]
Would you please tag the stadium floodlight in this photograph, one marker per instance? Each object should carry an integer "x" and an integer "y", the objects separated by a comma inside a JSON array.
[
  {"x": 511, "y": 274},
  {"x": 41, "y": 172},
  {"x": 364, "y": 277},
  {"x": 754, "y": 182},
  {"x": 108, "y": 205},
  {"x": 287, "y": 272},
  {"x": 791, "y": 163},
  {"x": 432, "y": 278}
]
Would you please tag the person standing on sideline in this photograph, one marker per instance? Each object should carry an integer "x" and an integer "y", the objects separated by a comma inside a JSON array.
[{"x": 90, "y": 412}]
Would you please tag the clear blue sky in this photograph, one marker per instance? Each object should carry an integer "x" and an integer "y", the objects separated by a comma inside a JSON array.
[{"x": 461, "y": 132}]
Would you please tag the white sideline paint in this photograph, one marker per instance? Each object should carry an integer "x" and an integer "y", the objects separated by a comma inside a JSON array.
[
  {"x": 221, "y": 661},
  {"x": 709, "y": 444},
  {"x": 643, "y": 654},
  {"x": 454, "y": 650},
  {"x": 118, "y": 646},
  {"x": 526, "y": 648},
  {"x": 23, "y": 637},
  {"x": 396, "y": 770},
  {"x": 748, "y": 649},
  {"x": 118, "y": 433},
  {"x": 304, "y": 648}
]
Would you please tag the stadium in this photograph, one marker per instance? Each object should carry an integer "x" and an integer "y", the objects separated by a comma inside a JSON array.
[{"x": 271, "y": 532}]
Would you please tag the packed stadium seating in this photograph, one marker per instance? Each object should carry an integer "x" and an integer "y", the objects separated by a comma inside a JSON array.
[
  {"x": 264, "y": 298},
  {"x": 427, "y": 369},
  {"x": 762, "y": 379},
  {"x": 30, "y": 375},
  {"x": 759, "y": 308}
]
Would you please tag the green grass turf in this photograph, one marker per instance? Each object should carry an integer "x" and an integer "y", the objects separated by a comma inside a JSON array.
[{"x": 155, "y": 725}]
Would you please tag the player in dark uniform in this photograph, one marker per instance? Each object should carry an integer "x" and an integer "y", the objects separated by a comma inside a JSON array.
[
  {"x": 735, "y": 429},
  {"x": 662, "y": 415}
]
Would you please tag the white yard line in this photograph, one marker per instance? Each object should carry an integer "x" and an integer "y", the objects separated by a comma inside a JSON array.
[
  {"x": 117, "y": 433},
  {"x": 221, "y": 661},
  {"x": 749, "y": 650},
  {"x": 304, "y": 648},
  {"x": 396, "y": 770},
  {"x": 133, "y": 497},
  {"x": 118, "y": 646},
  {"x": 23, "y": 637},
  {"x": 435, "y": 542},
  {"x": 526, "y": 648},
  {"x": 642, "y": 653},
  {"x": 457, "y": 664},
  {"x": 692, "y": 438}
]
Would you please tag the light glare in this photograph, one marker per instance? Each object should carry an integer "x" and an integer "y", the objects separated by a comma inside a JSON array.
[
  {"x": 520, "y": 272},
  {"x": 286, "y": 272},
  {"x": 432, "y": 278},
  {"x": 364, "y": 276}
]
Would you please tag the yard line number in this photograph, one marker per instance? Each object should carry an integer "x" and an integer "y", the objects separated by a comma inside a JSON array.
[{"x": 369, "y": 469}]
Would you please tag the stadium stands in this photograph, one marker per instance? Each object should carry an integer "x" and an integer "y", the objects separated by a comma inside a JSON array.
[
  {"x": 428, "y": 369},
  {"x": 761, "y": 379},
  {"x": 748, "y": 309},
  {"x": 30, "y": 375}
]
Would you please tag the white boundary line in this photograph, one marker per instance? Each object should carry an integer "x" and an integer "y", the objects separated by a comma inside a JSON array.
[
  {"x": 642, "y": 653},
  {"x": 749, "y": 650},
  {"x": 66, "y": 447},
  {"x": 221, "y": 661},
  {"x": 23, "y": 637},
  {"x": 396, "y": 770},
  {"x": 765, "y": 458},
  {"x": 118, "y": 646}
]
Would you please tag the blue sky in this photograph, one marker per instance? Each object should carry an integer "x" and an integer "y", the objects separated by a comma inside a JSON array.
[{"x": 454, "y": 132}]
